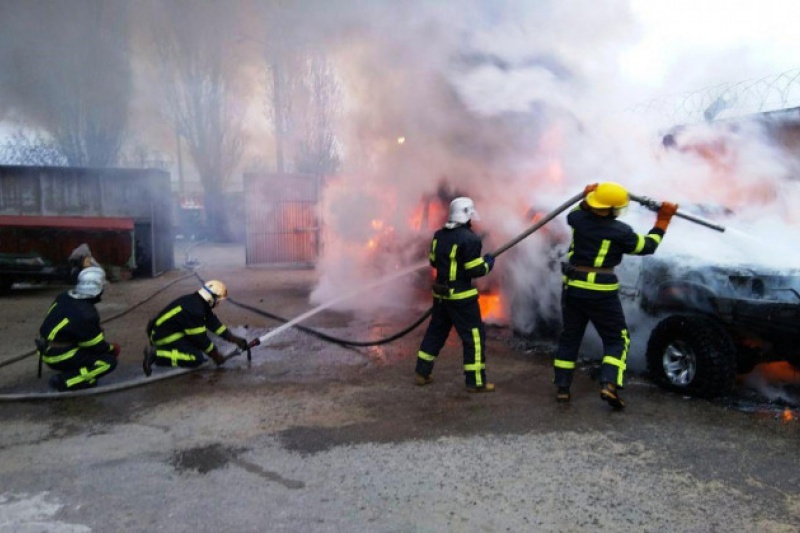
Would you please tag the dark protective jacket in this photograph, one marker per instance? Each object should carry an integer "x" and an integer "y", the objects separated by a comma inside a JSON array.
[
  {"x": 599, "y": 243},
  {"x": 456, "y": 256},
  {"x": 188, "y": 317},
  {"x": 70, "y": 325}
]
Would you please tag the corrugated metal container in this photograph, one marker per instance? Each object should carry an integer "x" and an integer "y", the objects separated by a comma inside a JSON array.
[
  {"x": 140, "y": 194},
  {"x": 281, "y": 219}
]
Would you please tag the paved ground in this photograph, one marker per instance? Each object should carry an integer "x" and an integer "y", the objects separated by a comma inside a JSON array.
[{"x": 315, "y": 437}]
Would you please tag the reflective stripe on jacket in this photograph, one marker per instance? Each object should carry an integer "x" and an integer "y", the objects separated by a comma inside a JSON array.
[
  {"x": 189, "y": 317},
  {"x": 71, "y": 324},
  {"x": 456, "y": 255},
  {"x": 601, "y": 242}
]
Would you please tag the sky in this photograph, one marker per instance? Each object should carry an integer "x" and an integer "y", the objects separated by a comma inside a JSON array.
[{"x": 744, "y": 39}]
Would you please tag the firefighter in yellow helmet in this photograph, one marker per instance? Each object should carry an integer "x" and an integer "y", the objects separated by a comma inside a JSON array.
[
  {"x": 179, "y": 333},
  {"x": 590, "y": 291}
]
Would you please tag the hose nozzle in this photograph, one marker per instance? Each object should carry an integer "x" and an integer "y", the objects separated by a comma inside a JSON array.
[{"x": 654, "y": 205}]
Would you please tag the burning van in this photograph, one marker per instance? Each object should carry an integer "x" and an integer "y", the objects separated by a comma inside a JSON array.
[{"x": 716, "y": 322}]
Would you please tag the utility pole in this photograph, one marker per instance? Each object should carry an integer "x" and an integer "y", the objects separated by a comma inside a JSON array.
[
  {"x": 277, "y": 102},
  {"x": 181, "y": 187}
]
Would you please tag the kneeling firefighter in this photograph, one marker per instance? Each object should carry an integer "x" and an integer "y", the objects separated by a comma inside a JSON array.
[
  {"x": 178, "y": 334},
  {"x": 590, "y": 291},
  {"x": 71, "y": 340},
  {"x": 455, "y": 253}
]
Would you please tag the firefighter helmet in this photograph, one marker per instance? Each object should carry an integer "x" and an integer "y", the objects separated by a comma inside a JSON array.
[
  {"x": 91, "y": 282},
  {"x": 213, "y": 291},
  {"x": 608, "y": 195},
  {"x": 462, "y": 210}
]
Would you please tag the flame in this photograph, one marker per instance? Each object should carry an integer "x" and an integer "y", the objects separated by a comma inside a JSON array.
[
  {"x": 491, "y": 307},
  {"x": 787, "y": 415},
  {"x": 780, "y": 371},
  {"x": 377, "y": 224}
]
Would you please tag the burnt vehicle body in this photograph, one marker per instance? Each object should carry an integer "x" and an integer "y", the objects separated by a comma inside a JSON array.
[{"x": 716, "y": 322}]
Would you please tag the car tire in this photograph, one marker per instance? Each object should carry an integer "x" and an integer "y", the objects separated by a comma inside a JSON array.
[{"x": 692, "y": 354}]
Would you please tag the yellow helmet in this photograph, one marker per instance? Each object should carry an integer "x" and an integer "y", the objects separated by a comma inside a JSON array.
[
  {"x": 608, "y": 195},
  {"x": 213, "y": 291}
]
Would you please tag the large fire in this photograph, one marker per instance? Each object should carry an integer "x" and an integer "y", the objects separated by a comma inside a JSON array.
[{"x": 492, "y": 309}]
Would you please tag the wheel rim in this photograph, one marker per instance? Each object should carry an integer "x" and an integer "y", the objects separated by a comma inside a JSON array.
[{"x": 680, "y": 363}]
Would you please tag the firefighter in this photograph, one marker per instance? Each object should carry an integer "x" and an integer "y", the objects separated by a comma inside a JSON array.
[
  {"x": 71, "y": 341},
  {"x": 590, "y": 290},
  {"x": 178, "y": 334},
  {"x": 455, "y": 254}
]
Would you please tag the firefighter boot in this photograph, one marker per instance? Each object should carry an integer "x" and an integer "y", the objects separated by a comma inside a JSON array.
[
  {"x": 610, "y": 394},
  {"x": 148, "y": 360},
  {"x": 420, "y": 380},
  {"x": 57, "y": 382},
  {"x": 563, "y": 395},
  {"x": 488, "y": 387}
]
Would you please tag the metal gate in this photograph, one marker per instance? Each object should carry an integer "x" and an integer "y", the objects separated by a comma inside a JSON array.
[{"x": 281, "y": 219}]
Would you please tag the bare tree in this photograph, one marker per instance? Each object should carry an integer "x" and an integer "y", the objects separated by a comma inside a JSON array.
[
  {"x": 315, "y": 150},
  {"x": 71, "y": 74},
  {"x": 195, "y": 45},
  {"x": 303, "y": 92},
  {"x": 31, "y": 149}
]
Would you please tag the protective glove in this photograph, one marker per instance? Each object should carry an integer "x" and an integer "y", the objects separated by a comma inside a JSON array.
[
  {"x": 489, "y": 260},
  {"x": 115, "y": 349},
  {"x": 238, "y": 341},
  {"x": 665, "y": 214},
  {"x": 216, "y": 356},
  {"x": 589, "y": 188}
]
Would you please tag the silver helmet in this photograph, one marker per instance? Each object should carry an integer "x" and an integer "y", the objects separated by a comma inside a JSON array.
[
  {"x": 91, "y": 282},
  {"x": 462, "y": 210}
]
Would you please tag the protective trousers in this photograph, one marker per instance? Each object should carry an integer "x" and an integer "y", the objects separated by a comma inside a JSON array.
[
  {"x": 82, "y": 370},
  {"x": 465, "y": 315},
  {"x": 605, "y": 313},
  {"x": 182, "y": 353}
]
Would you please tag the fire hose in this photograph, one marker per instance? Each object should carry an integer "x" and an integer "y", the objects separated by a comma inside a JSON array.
[{"x": 654, "y": 205}]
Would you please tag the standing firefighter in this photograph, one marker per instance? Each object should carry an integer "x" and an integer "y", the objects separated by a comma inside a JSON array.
[
  {"x": 591, "y": 289},
  {"x": 456, "y": 256},
  {"x": 71, "y": 340},
  {"x": 178, "y": 334}
]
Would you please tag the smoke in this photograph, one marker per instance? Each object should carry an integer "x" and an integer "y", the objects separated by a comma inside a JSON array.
[{"x": 519, "y": 105}]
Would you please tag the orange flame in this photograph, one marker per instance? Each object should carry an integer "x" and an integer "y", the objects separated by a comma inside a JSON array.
[
  {"x": 787, "y": 415},
  {"x": 491, "y": 307},
  {"x": 780, "y": 371}
]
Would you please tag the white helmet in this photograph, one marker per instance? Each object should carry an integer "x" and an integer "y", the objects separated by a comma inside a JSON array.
[
  {"x": 462, "y": 210},
  {"x": 91, "y": 281},
  {"x": 213, "y": 291}
]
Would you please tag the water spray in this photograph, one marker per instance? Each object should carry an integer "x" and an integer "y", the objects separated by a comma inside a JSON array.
[
  {"x": 654, "y": 205},
  {"x": 513, "y": 242},
  {"x": 645, "y": 201}
]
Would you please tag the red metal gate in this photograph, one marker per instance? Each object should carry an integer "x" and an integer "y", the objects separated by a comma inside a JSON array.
[{"x": 281, "y": 219}]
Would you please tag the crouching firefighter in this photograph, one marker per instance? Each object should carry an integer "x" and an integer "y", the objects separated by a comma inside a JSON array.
[
  {"x": 71, "y": 340},
  {"x": 455, "y": 254},
  {"x": 590, "y": 290},
  {"x": 179, "y": 333}
]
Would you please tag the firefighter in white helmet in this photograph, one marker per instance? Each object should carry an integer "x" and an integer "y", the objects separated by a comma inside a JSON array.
[
  {"x": 71, "y": 340},
  {"x": 179, "y": 333},
  {"x": 455, "y": 253},
  {"x": 591, "y": 288}
]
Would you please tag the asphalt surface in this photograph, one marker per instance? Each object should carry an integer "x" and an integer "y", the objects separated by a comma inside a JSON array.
[{"x": 311, "y": 436}]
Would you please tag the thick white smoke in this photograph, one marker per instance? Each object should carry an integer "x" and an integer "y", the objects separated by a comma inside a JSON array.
[{"x": 519, "y": 105}]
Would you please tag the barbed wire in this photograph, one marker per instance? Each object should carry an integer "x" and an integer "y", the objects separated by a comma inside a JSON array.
[{"x": 727, "y": 100}]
